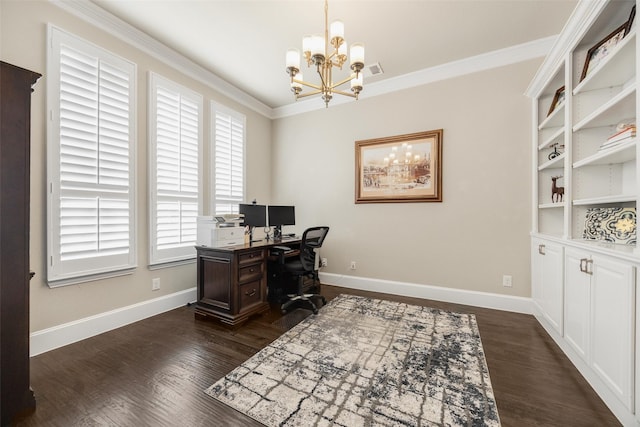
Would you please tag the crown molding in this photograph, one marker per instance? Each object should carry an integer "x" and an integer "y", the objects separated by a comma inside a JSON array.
[
  {"x": 574, "y": 30},
  {"x": 497, "y": 58},
  {"x": 95, "y": 15},
  {"x": 100, "y": 18}
]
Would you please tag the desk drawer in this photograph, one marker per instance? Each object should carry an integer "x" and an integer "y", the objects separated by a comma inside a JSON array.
[
  {"x": 249, "y": 294},
  {"x": 250, "y": 272},
  {"x": 251, "y": 257}
]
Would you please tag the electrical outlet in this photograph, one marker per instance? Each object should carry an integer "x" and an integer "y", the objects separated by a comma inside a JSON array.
[
  {"x": 155, "y": 284},
  {"x": 353, "y": 265},
  {"x": 324, "y": 262},
  {"x": 507, "y": 281}
]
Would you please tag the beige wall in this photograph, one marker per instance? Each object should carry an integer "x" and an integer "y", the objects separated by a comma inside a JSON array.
[
  {"x": 478, "y": 233},
  {"x": 480, "y": 230},
  {"x": 22, "y": 42}
]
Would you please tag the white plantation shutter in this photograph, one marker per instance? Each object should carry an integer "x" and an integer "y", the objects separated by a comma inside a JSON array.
[
  {"x": 175, "y": 131},
  {"x": 91, "y": 96},
  {"x": 228, "y": 148}
]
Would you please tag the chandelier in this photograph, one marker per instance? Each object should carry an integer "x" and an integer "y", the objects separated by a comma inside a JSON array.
[{"x": 325, "y": 53}]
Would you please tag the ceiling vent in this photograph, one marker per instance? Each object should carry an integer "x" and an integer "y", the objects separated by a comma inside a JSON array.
[{"x": 373, "y": 69}]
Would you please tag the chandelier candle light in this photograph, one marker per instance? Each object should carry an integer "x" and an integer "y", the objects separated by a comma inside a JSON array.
[{"x": 326, "y": 53}]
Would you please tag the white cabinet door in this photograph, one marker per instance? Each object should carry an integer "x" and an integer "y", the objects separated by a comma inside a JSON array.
[
  {"x": 612, "y": 325},
  {"x": 599, "y": 317},
  {"x": 577, "y": 296},
  {"x": 547, "y": 267},
  {"x": 552, "y": 289}
]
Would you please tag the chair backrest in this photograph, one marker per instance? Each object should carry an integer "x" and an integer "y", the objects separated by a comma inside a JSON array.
[{"x": 312, "y": 238}]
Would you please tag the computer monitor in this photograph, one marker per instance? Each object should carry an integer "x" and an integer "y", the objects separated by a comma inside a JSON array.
[
  {"x": 279, "y": 216},
  {"x": 254, "y": 216}
]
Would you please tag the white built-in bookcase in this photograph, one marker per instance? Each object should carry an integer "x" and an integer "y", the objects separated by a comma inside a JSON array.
[
  {"x": 585, "y": 292},
  {"x": 591, "y": 109}
]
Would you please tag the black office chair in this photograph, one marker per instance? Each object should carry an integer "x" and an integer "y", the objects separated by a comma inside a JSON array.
[{"x": 304, "y": 266}]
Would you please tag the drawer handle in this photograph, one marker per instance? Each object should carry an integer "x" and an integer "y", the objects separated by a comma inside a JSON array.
[
  {"x": 250, "y": 294},
  {"x": 541, "y": 250},
  {"x": 251, "y": 270}
]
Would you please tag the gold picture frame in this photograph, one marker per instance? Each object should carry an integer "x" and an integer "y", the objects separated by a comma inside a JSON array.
[{"x": 401, "y": 168}]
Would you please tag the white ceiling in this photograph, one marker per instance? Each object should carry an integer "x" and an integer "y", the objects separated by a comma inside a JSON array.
[{"x": 244, "y": 42}]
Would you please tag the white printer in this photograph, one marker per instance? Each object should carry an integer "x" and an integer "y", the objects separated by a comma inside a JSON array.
[{"x": 217, "y": 233}]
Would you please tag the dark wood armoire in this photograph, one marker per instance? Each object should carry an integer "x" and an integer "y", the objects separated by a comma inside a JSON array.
[{"x": 16, "y": 396}]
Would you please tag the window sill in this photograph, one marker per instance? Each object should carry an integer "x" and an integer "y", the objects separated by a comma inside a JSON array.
[
  {"x": 170, "y": 264},
  {"x": 89, "y": 278}
]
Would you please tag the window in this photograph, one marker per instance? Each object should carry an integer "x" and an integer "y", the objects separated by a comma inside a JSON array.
[
  {"x": 175, "y": 135},
  {"x": 228, "y": 140},
  {"x": 90, "y": 161}
]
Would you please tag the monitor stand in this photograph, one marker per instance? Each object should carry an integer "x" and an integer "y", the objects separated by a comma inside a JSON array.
[
  {"x": 277, "y": 233},
  {"x": 251, "y": 235}
]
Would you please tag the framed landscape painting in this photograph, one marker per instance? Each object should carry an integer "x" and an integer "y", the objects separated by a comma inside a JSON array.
[{"x": 402, "y": 168}]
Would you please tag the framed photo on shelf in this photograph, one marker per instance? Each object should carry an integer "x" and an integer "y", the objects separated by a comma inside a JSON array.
[
  {"x": 558, "y": 99},
  {"x": 632, "y": 16},
  {"x": 598, "y": 52},
  {"x": 402, "y": 168}
]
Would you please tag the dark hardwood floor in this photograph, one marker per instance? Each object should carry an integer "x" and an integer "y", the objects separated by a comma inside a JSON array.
[{"x": 153, "y": 372}]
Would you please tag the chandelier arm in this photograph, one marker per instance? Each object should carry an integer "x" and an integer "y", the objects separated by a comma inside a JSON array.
[
  {"x": 341, "y": 92},
  {"x": 348, "y": 79},
  {"x": 302, "y": 82},
  {"x": 315, "y": 92}
]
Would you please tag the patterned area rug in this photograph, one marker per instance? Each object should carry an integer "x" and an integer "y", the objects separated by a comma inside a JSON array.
[{"x": 366, "y": 362}]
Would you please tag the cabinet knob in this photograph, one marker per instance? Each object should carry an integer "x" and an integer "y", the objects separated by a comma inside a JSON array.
[{"x": 541, "y": 250}]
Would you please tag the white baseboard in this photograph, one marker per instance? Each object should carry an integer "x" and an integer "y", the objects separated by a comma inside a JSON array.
[
  {"x": 78, "y": 330},
  {"x": 438, "y": 293}
]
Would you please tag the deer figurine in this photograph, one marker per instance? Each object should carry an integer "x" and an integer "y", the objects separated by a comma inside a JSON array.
[{"x": 557, "y": 192}]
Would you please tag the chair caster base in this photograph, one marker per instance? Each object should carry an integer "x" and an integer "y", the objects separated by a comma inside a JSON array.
[{"x": 304, "y": 299}]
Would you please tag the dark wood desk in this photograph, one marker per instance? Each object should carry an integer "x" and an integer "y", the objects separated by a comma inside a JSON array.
[{"x": 232, "y": 281}]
